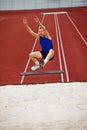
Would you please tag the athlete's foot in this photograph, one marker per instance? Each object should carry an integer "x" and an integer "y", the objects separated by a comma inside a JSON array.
[{"x": 35, "y": 67}]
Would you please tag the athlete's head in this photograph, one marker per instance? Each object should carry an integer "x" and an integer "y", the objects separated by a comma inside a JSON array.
[{"x": 40, "y": 31}]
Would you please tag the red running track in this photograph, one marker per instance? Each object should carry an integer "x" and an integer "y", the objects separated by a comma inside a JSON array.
[{"x": 69, "y": 34}]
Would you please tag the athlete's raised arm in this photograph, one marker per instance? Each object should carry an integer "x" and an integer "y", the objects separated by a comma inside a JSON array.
[
  {"x": 44, "y": 28},
  {"x": 25, "y": 22}
]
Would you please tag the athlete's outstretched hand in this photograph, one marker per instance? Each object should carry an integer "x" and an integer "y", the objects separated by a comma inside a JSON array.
[
  {"x": 25, "y": 21},
  {"x": 36, "y": 19}
]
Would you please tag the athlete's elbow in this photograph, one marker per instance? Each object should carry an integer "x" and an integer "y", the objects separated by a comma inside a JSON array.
[{"x": 44, "y": 28}]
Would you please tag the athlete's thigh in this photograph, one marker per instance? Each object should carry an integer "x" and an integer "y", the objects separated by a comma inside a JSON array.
[{"x": 37, "y": 54}]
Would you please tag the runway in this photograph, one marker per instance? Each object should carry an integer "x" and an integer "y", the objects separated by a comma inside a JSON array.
[{"x": 67, "y": 26}]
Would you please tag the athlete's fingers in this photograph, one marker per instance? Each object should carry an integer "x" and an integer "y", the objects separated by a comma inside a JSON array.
[
  {"x": 24, "y": 20},
  {"x": 36, "y": 19}
]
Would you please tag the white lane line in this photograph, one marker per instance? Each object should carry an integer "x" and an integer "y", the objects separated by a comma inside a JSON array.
[
  {"x": 58, "y": 47},
  {"x": 76, "y": 29},
  {"x": 63, "y": 54},
  {"x": 28, "y": 62}
]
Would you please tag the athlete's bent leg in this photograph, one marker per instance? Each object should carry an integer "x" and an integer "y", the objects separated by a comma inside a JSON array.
[
  {"x": 34, "y": 57},
  {"x": 50, "y": 54},
  {"x": 48, "y": 57}
]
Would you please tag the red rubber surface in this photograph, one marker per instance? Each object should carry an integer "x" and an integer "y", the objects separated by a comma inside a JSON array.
[{"x": 69, "y": 34}]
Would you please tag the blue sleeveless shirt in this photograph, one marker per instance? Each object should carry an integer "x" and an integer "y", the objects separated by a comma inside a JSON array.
[{"x": 45, "y": 43}]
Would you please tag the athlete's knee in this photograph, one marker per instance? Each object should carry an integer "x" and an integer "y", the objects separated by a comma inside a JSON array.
[
  {"x": 52, "y": 52},
  {"x": 31, "y": 55}
]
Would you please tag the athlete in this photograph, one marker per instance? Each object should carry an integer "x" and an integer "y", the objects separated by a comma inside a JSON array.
[{"x": 47, "y": 51}]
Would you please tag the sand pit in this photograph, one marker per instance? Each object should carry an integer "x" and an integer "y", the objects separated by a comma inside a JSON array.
[{"x": 58, "y": 106}]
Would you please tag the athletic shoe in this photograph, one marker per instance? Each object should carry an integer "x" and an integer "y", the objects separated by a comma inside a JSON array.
[{"x": 35, "y": 67}]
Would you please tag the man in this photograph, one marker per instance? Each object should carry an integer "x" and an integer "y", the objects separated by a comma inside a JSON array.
[{"x": 47, "y": 52}]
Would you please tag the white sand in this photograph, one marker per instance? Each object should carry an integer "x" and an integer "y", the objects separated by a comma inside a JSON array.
[{"x": 59, "y": 106}]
